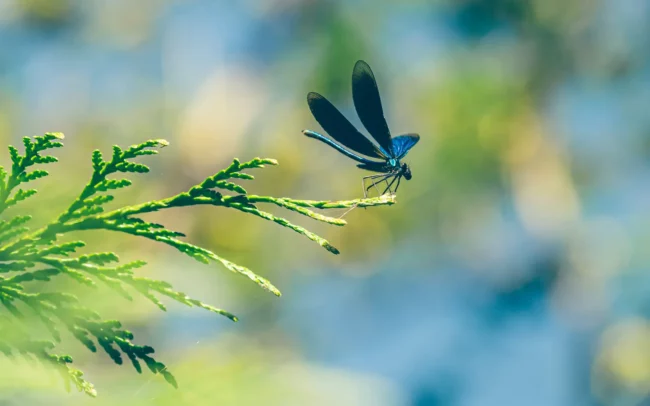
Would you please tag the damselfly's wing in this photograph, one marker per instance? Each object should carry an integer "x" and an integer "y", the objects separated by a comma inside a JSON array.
[
  {"x": 373, "y": 166},
  {"x": 339, "y": 128},
  {"x": 403, "y": 143},
  {"x": 368, "y": 105},
  {"x": 345, "y": 151}
]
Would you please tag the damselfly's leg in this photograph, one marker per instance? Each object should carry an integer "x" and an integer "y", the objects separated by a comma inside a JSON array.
[
  {"x": 363, "y": 183},
  {"x": 390, "y": 177},
  {"x": 365, "y": 190},
  {"x": 396, "y": 177},
  {"x": 399, "y": 179},
  {"x": 381, "y": 179},
  {"x": 348, "y": 210}
]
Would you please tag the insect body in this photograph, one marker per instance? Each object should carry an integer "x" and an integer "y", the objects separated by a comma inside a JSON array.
[{"x": 351, "y": 143}]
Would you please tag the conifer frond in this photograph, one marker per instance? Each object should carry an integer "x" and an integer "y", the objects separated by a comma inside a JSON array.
[
  {"x": 29, "y": 257},
  {"x": 14, "y": 341},
  {"x": 19, "y": 165}
]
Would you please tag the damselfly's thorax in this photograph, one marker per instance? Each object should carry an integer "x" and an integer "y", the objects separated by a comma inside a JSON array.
[{"x": 398, "y": 168}]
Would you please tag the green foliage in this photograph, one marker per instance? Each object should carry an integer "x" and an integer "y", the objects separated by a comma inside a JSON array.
[{"x": 28, "y": 257}]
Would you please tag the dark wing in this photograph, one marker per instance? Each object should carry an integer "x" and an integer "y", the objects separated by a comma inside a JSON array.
[
  {"x": 374, "y": 167},
  {"x": 338, "y": 127},
  {"x": 368, "y": 104},
  {"x": 403, "y": 143},
  {"x": 341, "y": 149}
]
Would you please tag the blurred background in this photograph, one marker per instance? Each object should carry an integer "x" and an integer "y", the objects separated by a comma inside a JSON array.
[{"x": 512, "y": 271}]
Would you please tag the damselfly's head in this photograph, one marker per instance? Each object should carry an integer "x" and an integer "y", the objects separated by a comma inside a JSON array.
[{"x": 406, "y": 171}]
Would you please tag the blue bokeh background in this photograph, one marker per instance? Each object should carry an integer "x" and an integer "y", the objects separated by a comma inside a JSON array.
[{"x": 512, "y": 271}]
